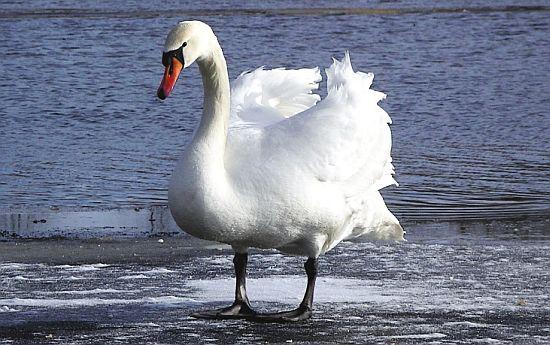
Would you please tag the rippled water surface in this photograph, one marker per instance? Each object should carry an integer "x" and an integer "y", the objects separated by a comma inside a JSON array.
[{"x": 468, "y": 87}]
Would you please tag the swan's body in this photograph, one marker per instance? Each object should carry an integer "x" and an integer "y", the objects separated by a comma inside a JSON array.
[{"x": 270, "y": 166}]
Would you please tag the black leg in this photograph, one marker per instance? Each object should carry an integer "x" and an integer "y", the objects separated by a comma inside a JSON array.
[
  {"x": 304, "y": 310},
  {"x": 241, "y": 306}
]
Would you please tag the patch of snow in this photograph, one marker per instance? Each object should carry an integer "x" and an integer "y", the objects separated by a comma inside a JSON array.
[
  {"x": 486, "y": 341},
  {"x": 466, "y": 323},
  {"x": 19, "y": 278},
  {"x": 134, "y": 276},
  {"x": 79, "y": 302},
  {"x": 146, "y": 324},
  {"x": 82, "y": 268},
  {"x": 158, "y": 270},
  {"x": 22, "y": 278},
  {"x": 290, "y": 289},
  {"x": 89, "y": 292},
  {"x": 418, "y": 336},
  {"x": 6, "y": 309},
  {"x": 77, "y": 278},
  {"x": 17, "y": 266}
]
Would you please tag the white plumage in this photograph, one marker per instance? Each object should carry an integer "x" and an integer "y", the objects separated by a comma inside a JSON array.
[
  {"x": 274, "y": 166},
  {"x": 263, "y": 97}
]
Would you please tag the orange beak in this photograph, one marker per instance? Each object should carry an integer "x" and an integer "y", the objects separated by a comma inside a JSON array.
[{"x": 171, "y": 74}]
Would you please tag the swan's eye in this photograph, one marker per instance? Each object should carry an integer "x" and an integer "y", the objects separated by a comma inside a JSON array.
[{"x": 177, "y": 53}]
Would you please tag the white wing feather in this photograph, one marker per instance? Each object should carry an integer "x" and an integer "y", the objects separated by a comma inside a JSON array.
[
  {"x": 344, "y": 139},
  {"x": 263, "y": 97}
]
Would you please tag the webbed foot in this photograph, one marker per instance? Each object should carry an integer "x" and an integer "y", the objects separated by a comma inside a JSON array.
[
  {"x": 235, "y": 311},
  {"x": 299, "y": 314}
]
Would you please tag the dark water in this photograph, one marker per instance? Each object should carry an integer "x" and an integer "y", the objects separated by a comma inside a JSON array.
[{"x": 468, "y": 91}]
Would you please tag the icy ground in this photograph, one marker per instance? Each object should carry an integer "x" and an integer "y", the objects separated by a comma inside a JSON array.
[{"x": 449, "y": 284}]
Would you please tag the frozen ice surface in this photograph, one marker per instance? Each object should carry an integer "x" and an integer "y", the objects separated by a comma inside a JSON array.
[
  {"x": 80, "y": 302},
  {"x": 290, "y": 289},
  {"x": 457, "y": 283}
]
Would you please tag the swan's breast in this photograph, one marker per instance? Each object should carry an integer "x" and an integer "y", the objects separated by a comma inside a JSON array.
[{"x": 256, "y": 206}]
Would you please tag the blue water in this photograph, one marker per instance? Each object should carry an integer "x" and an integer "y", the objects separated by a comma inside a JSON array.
[{"x": 468, "y": 91}]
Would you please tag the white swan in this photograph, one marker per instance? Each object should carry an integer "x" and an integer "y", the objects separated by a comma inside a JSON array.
[{"x": 272, "y": 166}]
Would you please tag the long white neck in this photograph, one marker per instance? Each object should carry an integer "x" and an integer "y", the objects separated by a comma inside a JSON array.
[{"x": 211, "y": 136}]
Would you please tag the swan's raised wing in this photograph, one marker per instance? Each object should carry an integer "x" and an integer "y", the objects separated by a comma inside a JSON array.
[
  {"x": 327, "y": 162},
  {"x": 344, "y": 139},
  {"x": 263, "y": 97},
  {"x": 334, "y": 153}
]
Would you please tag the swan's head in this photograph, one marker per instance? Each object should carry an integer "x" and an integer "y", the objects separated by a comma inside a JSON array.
[{"x": 187, "y": 41}]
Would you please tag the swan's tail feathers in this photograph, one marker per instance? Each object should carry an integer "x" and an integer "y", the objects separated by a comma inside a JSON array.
[
  {"x": 374, "y": 221},
  {"x": 263, "y": 97}
]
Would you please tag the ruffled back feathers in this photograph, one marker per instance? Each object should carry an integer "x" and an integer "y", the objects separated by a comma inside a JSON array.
[
  {"x": 263, "y": 97},
  {"x": 343, "y": 140}
]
